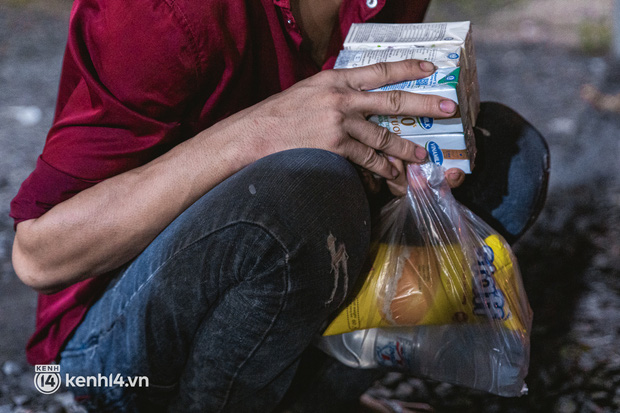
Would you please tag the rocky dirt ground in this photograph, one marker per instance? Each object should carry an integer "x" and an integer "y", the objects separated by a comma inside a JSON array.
[{"x": 533, "y": 56}]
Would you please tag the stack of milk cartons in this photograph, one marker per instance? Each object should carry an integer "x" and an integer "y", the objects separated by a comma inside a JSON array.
[{"x": 449, "y": 142}]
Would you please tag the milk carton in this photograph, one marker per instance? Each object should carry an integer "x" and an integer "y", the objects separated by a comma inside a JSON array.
[
  {"x": 445, "y": 82},
  {"x": 450, "y": 47},
  {"x": 444, "y": 57}
]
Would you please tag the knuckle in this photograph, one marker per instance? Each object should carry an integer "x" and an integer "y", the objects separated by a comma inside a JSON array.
[
  {"x": 332, "y": 77},
  {"x": 429, "y": 104},
  {"x": 335, "y": 97},
  {"x": 395, "y": 101},
  {"x": 373, "y": 161},
  {"x": 381, "y": 69},
  {"x": 337, "y": 138},
  {"x": 335, "y": 118},
  {"x": 370, "y": 158},
  {"x": 384, "y": 138}
]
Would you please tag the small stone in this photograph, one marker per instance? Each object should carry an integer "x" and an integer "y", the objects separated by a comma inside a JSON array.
[
  {"x": 601, "y": 383},
  {"x": 601, "y": 261},
  {"x": 380, "y": 393},
  {"x": 419, "y": 389},
  {"x": 443, "y": 390},
  {"x": 563, "y": 125},
  {"x": 599, "y": 395},
  {"x": 565, "y": 405},
  {"x": 10, "y": 368},
  {"x": 404, "y": 391},
  {"x": 586, "y": 362},
  {"x": 392, "y": 379},
  {"x": 21, "y": 399},
  {"x": 27, "y": 115}
]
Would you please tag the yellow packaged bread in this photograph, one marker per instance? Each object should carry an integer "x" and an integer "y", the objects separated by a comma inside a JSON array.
[{"x": 414, "y": 285}]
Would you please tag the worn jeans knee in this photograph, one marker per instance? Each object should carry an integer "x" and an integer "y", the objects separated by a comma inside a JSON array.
[
  {"x": 316, "y": 211},
  {"x": 221, "y": 305}
]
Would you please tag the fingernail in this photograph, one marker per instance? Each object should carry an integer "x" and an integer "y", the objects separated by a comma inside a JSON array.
[
  {"x": 395, "y": 172},
  {"x": 427, "y": 66},
  {"x": 455, "y": 176},
  {"x": 447, "y": 106},
  {"x": 420, "y": 153}
]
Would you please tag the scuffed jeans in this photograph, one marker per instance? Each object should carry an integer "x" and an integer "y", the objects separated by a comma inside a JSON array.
[{"x": 218, "y": 311}]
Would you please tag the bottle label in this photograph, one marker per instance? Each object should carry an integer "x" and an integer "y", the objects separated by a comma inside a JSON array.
[{"x": 392, "y": 354}]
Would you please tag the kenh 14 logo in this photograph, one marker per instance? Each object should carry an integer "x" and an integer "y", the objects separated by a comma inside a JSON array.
[{"x": 47, "y": 378}]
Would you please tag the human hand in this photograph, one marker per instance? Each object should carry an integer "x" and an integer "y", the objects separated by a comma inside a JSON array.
[
  {"x": 398, "y": 186},
  {"x": 329, "y": 111}
]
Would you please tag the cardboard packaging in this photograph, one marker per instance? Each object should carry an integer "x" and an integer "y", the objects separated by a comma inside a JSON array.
[{"x": 446, "y": 45}]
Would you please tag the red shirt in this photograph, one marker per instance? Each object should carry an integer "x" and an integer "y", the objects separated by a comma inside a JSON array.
[{"x": 141, "y": 76}]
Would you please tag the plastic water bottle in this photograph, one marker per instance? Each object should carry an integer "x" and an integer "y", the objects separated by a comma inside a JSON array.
[{"x": 470, "y": 355}]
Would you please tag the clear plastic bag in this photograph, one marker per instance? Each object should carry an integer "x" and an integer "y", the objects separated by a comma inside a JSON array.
[{"x": 444, "y": 298}]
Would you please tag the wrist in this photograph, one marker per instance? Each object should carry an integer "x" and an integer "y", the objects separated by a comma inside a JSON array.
[{"x": 238, "y": 140}]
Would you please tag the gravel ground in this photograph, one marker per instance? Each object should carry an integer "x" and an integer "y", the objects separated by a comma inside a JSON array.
[{"x": 570, "y": 259}]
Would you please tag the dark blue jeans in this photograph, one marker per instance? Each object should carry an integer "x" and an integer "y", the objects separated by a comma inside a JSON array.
[{"x": 218, "y": 311}]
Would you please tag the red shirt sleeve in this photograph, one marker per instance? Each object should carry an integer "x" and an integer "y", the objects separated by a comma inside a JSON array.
[
  {"x": 129, "y": 71},
  {"x": 45, "y": 187}
]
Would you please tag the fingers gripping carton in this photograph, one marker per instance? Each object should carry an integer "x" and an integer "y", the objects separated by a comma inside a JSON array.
[
  {"x": 379, "y": 36},
  {"x": 454, "y": 137},
  {"x": 447, "y": 45}
]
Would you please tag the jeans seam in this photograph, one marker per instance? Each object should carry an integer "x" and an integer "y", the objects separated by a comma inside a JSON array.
[{"x": 283, "y": 302}]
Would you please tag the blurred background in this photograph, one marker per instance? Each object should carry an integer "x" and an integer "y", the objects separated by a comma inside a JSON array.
[{"x": 554, "y": 61}]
